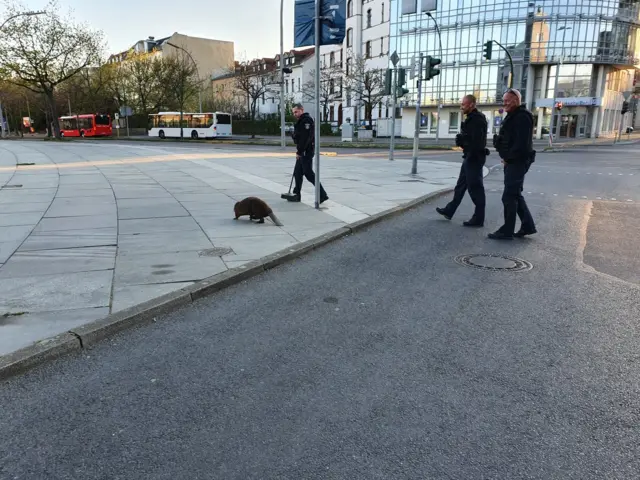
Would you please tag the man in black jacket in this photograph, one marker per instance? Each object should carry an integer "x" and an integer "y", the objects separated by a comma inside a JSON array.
[
  {"x": 473, "y": 140},
  {"x": 514, "y": 144},
  {"x": 304, "y": 137}
]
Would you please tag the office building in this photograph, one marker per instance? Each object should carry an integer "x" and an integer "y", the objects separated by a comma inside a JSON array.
[{"x": 590, "y": 48}]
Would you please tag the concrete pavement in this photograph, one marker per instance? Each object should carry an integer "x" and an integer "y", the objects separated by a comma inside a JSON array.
[
  {"x": 376, "y": 357},
  {"x": 88, "y": 229}
]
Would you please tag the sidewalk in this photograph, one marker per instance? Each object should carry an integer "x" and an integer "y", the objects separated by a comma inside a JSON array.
[{"x": 91, "y": 229}]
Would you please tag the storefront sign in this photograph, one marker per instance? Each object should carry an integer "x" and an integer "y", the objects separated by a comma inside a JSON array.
[{"x": 571, "y": 102}]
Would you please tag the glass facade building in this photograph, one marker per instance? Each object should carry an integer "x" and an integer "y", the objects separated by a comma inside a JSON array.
[{"x": 589, "y": 48}]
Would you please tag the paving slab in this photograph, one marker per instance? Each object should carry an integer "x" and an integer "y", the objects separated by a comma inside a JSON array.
[
  {"x": 98, "y": 237},
  {"x": 66, "y": 260},
  {"x": 141, "y": 222},
  {"x": 22, "y": 330}
]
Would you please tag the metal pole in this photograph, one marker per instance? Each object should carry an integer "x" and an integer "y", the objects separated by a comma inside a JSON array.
[
  {"x": 416, "y": 135},
  {"x": 620, "y": 129},
  {"x": 317, "y": 101},
  {"x": 553, "y": 109},
  {"x": 394, "y": 85},
  {"x": 2, "y": 122},
  {"x": 282, "y": 116},
  {"x": 439, "y": 76}
]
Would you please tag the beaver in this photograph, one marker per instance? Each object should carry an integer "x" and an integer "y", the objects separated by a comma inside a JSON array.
[{"x": 256, "y": 208}]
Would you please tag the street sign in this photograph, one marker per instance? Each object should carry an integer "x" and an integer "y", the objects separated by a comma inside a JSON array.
[
  {"x": 394, "y": 58},
  {"x": 332, "y": 27},
  {"x": 126, "y": 111},
  {"x": 116, "y": 116}
]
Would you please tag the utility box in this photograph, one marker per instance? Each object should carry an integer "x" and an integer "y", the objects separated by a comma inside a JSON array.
[{"x": 347, "y": 132}]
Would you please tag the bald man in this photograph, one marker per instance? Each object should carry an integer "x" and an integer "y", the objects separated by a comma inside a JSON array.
[{"x": 514, "y": 144}]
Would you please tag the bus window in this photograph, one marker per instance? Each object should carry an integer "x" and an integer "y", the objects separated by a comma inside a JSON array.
[
  {"x": 85, "y": 123},
  {"x": 223, "y": 119},
  {"x": 102, "y": 120},
  {"x": 69, "y": 124}
]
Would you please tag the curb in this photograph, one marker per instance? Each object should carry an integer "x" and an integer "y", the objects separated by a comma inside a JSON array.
[
  {"x": 80, "y": 338},
  {"x": 259, "y": 143}
]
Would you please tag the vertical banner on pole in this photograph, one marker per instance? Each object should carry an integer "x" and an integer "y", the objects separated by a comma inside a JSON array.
[{"x": 319, "y": 22}]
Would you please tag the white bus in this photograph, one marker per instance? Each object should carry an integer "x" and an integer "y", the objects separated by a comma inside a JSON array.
[{"x": 195, "y": 125}]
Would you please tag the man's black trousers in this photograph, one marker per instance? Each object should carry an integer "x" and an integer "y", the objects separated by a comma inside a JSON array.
[
  {"x": 304, "y": 167},
  {"x": 470, "y": 179},
  {"x": 513, "y": 201}
]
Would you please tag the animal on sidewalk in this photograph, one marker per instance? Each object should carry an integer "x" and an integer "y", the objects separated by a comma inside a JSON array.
[{"x": 256, "y": 208}]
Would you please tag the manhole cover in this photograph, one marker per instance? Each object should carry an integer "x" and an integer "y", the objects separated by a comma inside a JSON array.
[
  {"x": 215, "y": 252},
  {"x": 489, "y": 261}
]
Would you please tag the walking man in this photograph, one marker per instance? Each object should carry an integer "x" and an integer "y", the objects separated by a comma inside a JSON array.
[
  {"x": 514, "y": 144},
  {"x": 473, "y": 140},
  {"x": 304, "y": 137}
]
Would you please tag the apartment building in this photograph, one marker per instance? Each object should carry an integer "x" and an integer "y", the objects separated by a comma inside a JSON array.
[{"x": 212, "y": 57}]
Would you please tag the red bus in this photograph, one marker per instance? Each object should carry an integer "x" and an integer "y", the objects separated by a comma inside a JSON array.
[{"x": 88, "y": 125}]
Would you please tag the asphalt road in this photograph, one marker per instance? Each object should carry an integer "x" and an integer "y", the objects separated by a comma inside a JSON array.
[{"x": 376, "y": 357}]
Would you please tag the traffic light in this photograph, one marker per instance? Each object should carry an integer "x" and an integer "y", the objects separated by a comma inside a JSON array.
[
  {"x": 488, "y": 47},
  {"x": 388, "y": 81},
  {"x": 431, "y": 72},
  {"x": 625, "y": 107},
  {"x": 402, "y": 79}
]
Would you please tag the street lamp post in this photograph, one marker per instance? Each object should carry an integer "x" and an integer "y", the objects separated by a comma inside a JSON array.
[
  {"x": 24, "y": 14},
  {"x": 564, "y": 28},
  {"x": 197, "y": 73},
  {"x": 282, "y": 117}
]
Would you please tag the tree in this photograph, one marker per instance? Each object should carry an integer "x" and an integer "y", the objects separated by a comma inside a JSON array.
[
  {"x": 181, "y": 79},
  {"x": 41, "y": 52},
  {"x": 367, "y": 84},
  {"x": 331, "y": 79},
  {"x": 253, "y": 85},
  {"x": 90, "y": 90}
]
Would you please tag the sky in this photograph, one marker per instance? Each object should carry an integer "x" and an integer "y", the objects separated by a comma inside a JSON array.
[{"x": 253, "y": 25}]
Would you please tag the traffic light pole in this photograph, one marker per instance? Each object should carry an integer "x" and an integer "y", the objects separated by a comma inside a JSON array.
[
  {"x": 416, "y": 135},
  {"x": 394, "y": 97}
]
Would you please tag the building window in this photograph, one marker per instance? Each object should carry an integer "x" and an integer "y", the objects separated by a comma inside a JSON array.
[
  {"x": 332, "y": 86},
  {"x": 350, "y": 38},
  {"x": 348, "y": 97},
  {"x": 381, "y": 46},
  {"x": 380, "y": 110},
  {"x": 298, "y": 83},
  {"x": 454, "y": 120},
  {"x": 350, "y": 9},
  {"x": 382, "y": 21},
  {"x": 332, "y": 59},
  {"x": 331, "y": 113},
  {"x": 434, "y": 122},
  {"x": 368, "y": 49},
  {"x": 349, "y": 62},
  {"x": 369, "y": 18},
  {"x": 293, "y": 85}
]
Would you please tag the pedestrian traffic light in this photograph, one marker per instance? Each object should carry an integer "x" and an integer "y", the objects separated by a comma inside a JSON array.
[
  {"x": 402, "y": 79},
  {"x": 431, "y": 72},
  {"x": 388, "y": 81},
  {"x": 488, "y": 47},
  {"x": 625, "y": 107}
]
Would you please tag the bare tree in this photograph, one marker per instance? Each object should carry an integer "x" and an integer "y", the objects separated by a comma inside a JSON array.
[
  {"x": 331, "y": 83},
  {"x": 144, "y": 76},
  {"x": 41, "y": 52},
  {"x": 181, "y": 79},
  {"x": 368, "y": 84},
  {"x": 254, "y": 85}
]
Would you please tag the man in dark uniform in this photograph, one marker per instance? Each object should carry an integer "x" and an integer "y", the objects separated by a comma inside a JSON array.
[
  {"x": 304, "y": 137},
  {"x": 473, "y": 140},
  {"x": 514, "y": 144}
]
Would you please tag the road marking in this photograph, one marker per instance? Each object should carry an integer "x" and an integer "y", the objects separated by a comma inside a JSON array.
[
  {"x": 613, "y": 199},
  {"x": 629, "y": 200},
  {"x": 598, "y": 198},
  {"x": 555, "y": 194},
  {"x": 571, "y": 196}
]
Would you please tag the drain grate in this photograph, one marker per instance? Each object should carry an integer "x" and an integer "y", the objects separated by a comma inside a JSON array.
[
  {"x": 215, "y": 252},
  {"x": 494, "y": 262}
]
